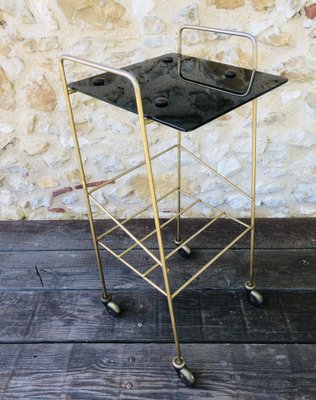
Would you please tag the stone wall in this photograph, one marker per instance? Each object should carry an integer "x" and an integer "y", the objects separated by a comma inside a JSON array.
[{"x": 39, "y": 178}]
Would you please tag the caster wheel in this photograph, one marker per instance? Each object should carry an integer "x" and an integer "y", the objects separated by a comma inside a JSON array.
[
  {"x": 185, "y": 374},
  {"x": 111, "y": 307},
  {"x": 255, "y": 298},
  {"x": 184, "y": 251},
  {"x": 187, "y": 377}
]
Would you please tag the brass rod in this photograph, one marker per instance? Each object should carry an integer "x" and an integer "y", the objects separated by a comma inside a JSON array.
[
  {"x": 253, "y": 192},
  {"x": 216, "y": 209},
  {"x": 161, "y": 226},
  {"x": 217, "y": 173},
  {"x": 82, "y": 174},
  {"x": 152, "y": 190},
  {"x": 188, "y": 240},
  {"x": 238, "y": 221},
  {"x": 150, "y": 270},
  {"x": 133, "y": 269},
  {"x": 202, "y": 202},
  {"x": 125, "y": 230},
  {"x": 195, "y": 234},
  {"x": 178, "y": 236},
  {"x": 128, "y": 171},
  {"x": 199, "y": 272},
  {"x": 136, "y": 214}
]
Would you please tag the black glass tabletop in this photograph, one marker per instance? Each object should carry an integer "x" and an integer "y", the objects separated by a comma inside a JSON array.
[{"x": 180, "y": 91}]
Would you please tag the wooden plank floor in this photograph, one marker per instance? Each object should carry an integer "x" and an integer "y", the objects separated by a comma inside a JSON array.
[{"x": 58, "y": 342}]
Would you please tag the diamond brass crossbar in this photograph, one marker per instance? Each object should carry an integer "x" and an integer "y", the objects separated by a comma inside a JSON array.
[{"x": 139, "y": 242}]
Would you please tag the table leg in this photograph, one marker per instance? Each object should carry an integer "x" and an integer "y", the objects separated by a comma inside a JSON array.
[{"x": 110, "y": 305}]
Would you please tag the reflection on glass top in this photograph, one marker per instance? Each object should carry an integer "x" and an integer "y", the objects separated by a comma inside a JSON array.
[
  {"x": 217, "y": 76},
  {"x": 183, "y": 93}
]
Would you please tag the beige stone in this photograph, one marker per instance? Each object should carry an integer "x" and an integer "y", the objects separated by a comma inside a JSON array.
[
  {"x": 312, "y": 33},
  {"x": 13, "y": 67},
  {"x": 236, "y": 56},
  {"x": 312, "y": 49},
  {"x": 46, "y": 14},
  {"x": 141, "y": 7},
  {"x": 310, "y": 104},
  {"x": 6, "y": 129},
  {"x": 277, "y": 39},
  {"x": 188, "y": 15},
  {"x": 2, "y": 20},
  {"x": 11, "y": 213},
  {"x": 34, "y": 146},
  {"x": 93, "y": 12},
  {"x": 47, "y": 182},
  {"x": 4, "y": 47},
  {"x": 193, "y": 37},
  {"x": 152, "y": 25},
  {"x": 225, "y": 117},
  {"x": 40, "y": 95},
  {"x": 244, "y": 58},
  {"x": 73, "y": 176},
  {"x": 288, "y": 8},
  {"x": 57, "y": 159},
  {"x": 297, "y": 69},
  {"x": 81, "y": 47},
  {"x": 69, "y": 7},
  {"x": 29, "y": 122},
  {"x": 227, "y": 4},
  {"x": 17, "y": 9},
  {"x": 4, "y": 141},
  {"x": 41, "y": 44},
  {"x": 9, "y": 35},
  {"x": 262, "y": 5},
  {"x": 7, "y": 101},
  {"x": 243, "y": 111}
]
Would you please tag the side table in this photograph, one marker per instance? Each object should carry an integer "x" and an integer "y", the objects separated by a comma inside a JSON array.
[{"x": 183, "y": 93}]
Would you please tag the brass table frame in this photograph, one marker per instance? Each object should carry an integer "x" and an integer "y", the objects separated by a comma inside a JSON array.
[{"x": 178, "y": 361}]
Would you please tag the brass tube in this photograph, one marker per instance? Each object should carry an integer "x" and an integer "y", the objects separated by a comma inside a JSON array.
[
  {"x": 216, "y": 209},
  {"x": 178, "y": 236},
  {"x": 133, "y": 269},
  {"x": 253, "y": 192},
  {"x": 199, "y": 272},
  {"x": 162, "y": 226},
  {"x": 125, "y": 230},
  {"x": 152, "y": 190},
  {"x": 188, "y": 239},
  {"x": 136, "y": 214},
  {"x": 216, "y": 173},
  {"x": 82, "y": 174},
  {"x": 128, "y": 171}
]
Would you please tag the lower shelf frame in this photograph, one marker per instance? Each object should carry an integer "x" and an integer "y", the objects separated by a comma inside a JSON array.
[{"x": 159, "y": 263}]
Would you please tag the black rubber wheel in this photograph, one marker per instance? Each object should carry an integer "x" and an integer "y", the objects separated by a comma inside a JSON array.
[
  {"x": 113, "y": 308},
  {"x": 185, "y": 252},
  {"x": 187, "y": 377},
  {"x": 255, "y": 298}
]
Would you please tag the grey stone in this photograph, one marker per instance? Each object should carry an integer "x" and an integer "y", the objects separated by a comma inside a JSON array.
[
  {"x": 305, "y": 193},
  {"x": 188, "y": 15}
]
